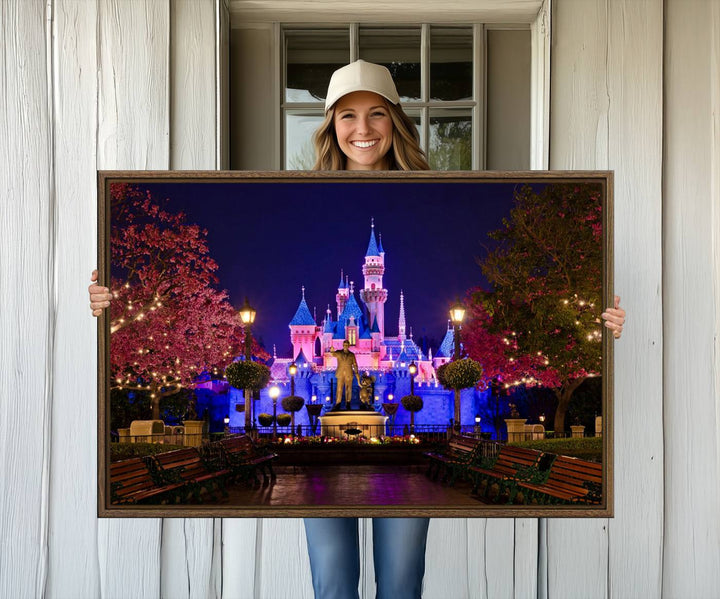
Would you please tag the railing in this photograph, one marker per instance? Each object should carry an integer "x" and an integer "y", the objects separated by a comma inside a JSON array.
[
  {"x": 530, "y": 436},
  {"x": 187, "y": 439},
  {"x": 425, "y": 432}
]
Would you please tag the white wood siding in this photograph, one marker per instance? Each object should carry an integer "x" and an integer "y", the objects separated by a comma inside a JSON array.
[
  {"x": 606, "y": 112},
  {"x": 118, "y": 84},
  {"x": 690, "y": 290}
]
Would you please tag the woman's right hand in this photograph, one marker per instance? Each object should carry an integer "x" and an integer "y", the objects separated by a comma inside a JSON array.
[{"x": 99, "y": 296}]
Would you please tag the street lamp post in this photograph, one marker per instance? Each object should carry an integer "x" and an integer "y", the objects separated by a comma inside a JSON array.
[
  {"x": 292, "y": 369},
  {"x": 477, "y": 426},
  {"x": 274, "y": 394},
  {"x": 412, "y": 369},
  {"x": 247, "y": 315},
  {"x": 457, "y": 314}
]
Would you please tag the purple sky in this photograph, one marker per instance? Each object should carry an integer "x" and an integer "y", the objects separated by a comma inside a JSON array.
[{"x": 269, "y": 239}]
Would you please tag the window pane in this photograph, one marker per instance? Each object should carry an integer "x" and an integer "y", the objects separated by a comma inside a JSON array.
[
  {"x": 299, "y": 149},
  {"x": 311, "y": 58},
  {"x": 398, "y": 50},
  {"x": 451, "y": 56},
  {"x": 450, "y": 147},
  {"x": 508, "y": 100},
  {"x": 414, "y": 115}
]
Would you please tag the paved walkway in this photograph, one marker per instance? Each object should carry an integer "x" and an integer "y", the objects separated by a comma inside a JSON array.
[{"x": 352, "y": 485}]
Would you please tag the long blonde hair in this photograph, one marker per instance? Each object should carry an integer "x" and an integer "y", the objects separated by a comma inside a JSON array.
[{"x": 405, "y": 153}]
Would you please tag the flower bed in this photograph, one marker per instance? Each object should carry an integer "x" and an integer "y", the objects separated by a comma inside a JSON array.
[{"x": 319, "y": 451}]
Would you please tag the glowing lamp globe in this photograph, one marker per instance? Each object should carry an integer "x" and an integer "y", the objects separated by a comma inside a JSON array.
[
  {"x": 457, "y": 313},
  {"x": 247, "y": 313}
]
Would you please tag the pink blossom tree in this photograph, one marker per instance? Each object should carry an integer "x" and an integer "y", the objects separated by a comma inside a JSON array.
[{"x": 168, "y": 323}]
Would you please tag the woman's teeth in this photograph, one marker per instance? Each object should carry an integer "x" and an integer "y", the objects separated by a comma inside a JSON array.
[{"x": 364, "y": 144}]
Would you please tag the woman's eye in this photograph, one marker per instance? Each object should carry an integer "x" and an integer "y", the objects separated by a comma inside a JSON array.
[
  {"x": 378, "y": 113},
  {"x": 347, "y": 115}
]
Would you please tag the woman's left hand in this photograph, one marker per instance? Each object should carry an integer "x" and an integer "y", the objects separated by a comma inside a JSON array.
[{"x": 614, "y": 318}]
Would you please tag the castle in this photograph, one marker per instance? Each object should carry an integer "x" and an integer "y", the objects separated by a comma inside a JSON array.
[
  {"x": 362, "y": 326},
  {"x": 362, "y": 323}
]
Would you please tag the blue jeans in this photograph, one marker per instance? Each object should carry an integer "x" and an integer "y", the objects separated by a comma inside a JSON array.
[{"x": 398, "y": 552}]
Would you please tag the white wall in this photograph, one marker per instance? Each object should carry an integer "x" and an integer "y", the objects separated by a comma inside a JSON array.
[{"x": 87, "y": 85}]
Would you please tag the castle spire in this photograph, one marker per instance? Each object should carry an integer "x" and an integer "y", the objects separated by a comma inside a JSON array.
[
  {"x": 401, "y": 320},
  {"x": 372, "y": 249},
  {"x": 302, "y": 315},
  {"x": 380, "y": 247}
]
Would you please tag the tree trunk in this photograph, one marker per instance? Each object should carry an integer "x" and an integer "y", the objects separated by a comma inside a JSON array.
[
  {"x": 564, "y": 395},
  {"x": 248, "y": 408},
  {"x": 155, "y": 402},
  {"x": 457, "y": 421}
]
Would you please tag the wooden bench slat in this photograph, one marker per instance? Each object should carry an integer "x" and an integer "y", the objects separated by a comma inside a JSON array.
[
  {"x": 244, "y": 459},
  {"x": 132, "y": 482}
]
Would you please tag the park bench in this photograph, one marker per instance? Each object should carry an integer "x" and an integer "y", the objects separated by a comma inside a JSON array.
[
  {"x": 453, "y": 458},
  {"x": 244, "y": 459},
  {"x": 512, "y": 465},
  {"x": 131, "y": 481},
  {"x": 187, "y": 466},
  {"x": 570, "y": 480}
]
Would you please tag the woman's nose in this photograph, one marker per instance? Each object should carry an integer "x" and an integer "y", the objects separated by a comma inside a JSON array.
[{"x": 363, "y": 125}]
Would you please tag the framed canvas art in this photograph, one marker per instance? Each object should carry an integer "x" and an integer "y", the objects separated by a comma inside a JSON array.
[{"x": 285, "y": 344}]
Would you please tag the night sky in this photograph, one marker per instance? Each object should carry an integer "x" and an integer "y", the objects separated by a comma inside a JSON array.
[{"x": 269, "y": 239}]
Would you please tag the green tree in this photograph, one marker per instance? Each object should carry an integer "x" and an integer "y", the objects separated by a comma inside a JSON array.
[
  {"x": 546, "y": 273},
  {"x": 459, "y": 375}
]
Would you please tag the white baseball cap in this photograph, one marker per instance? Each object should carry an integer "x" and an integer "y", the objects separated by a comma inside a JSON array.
[{"x": 361, "y": 76}]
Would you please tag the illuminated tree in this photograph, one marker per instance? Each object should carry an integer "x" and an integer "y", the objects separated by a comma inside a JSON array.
[
  {"x": 546, "y": 273},
  {"x": 168, "y": 324}
]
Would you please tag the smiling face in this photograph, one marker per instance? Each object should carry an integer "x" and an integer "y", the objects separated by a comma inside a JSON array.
[{"x": 364, "y": 130}]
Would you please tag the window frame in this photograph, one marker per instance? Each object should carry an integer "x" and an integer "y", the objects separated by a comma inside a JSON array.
[{"x": 476, "y": 106}]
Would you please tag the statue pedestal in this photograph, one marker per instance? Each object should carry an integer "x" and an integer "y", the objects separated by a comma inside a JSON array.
[{"x": 334, "y": 424}]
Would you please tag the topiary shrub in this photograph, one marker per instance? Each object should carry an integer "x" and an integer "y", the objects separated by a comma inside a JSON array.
[
  {"x": 283, "y": 419},
  {"x": 247, "y": 375},
  {"x": 292, "y": 403},
  {"x": 460, "y": 374},
  {"x": 412, "y": 403},
  {"x": 265, "y": 419}
]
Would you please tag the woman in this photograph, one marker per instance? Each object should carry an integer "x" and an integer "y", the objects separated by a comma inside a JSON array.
[{"x": 365, "y": 129}]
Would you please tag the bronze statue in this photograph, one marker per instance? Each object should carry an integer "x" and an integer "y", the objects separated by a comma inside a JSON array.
[
  {"x": 346, "y": 368},
  {"x": 367, "y": 384}
]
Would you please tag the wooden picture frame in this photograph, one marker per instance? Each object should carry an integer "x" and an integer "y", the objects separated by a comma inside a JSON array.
[{"x": 181, "y": 251}]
